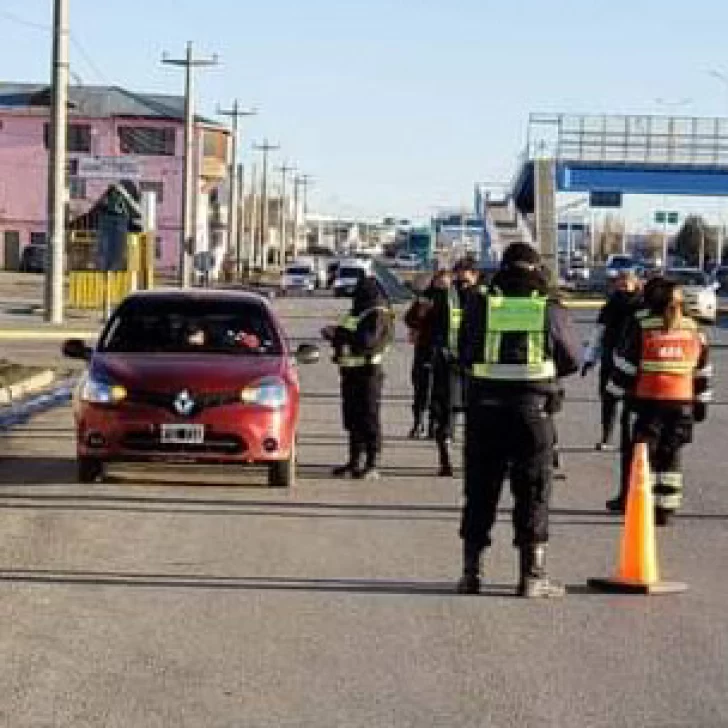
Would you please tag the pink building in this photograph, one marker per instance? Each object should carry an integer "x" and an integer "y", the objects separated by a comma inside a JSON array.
[{"x": 145, "y": 131}]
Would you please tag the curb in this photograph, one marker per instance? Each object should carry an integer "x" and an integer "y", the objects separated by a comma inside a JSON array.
[
  {"x": 21, "y": 412},
  {"x": 27, "y": 387},
  {"x": 45, "y": 334}
]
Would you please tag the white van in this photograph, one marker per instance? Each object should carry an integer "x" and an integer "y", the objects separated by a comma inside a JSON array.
[{"x": 348, "y": 275}]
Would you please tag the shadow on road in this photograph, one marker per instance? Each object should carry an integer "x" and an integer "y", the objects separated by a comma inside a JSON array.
[{"x": 285, "y": 584}]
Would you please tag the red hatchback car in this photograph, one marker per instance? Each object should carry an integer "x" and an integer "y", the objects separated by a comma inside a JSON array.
[{"x": 190, "y": 377}]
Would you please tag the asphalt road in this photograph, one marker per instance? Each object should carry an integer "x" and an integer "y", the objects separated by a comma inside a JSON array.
[{"x": 190, "y": 599}]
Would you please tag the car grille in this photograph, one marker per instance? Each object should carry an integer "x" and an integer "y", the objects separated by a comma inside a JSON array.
[
  {"x": 165, "y": 400},
  {"x": 215, "y": 444}
]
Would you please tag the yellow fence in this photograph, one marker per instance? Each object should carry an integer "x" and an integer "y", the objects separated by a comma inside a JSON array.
[{"x": 87, "y": 288}]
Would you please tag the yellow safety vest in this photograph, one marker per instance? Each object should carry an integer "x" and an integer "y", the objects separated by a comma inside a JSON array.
[
  {"x": 345, "y": 360},
  {"x": 515, "y": 315},
  {"x": 455, "y": 321}
]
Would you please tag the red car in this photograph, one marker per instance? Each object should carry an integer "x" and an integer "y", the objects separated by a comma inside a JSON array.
[{"x": 191, "y": 377}]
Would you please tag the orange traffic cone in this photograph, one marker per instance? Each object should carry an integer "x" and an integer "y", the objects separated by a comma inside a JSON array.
[{"x": 638, "y": 572}]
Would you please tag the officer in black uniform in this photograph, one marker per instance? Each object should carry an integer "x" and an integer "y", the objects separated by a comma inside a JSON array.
[
  {"x": 447, "y": 384},
  {"x": 360, "y": 341},
  {"x": 516, "y": 343}
]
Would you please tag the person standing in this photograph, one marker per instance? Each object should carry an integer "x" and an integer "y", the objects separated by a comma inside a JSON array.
[
  {"x": 611, "y": 322},
  {"x": 418, "y": 320},
  {"x": 516, "y": 343},
  {"x": 360, "y": 342},
  {"x": 662, "y": 368},
  {"x": 447, "y": 384}
]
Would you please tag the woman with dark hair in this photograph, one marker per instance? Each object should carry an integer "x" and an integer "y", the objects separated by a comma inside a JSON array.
[{"x": 662, "y": 369}]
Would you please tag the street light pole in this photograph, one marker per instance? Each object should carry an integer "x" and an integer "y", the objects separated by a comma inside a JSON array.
[
  {"x": 189, "y": 196},
  {"x": 58, "y": 134},
  {"x": 236, "y": 113},
  {"x": 266, "y": 147},
  {"x": 284, "y": 169}
]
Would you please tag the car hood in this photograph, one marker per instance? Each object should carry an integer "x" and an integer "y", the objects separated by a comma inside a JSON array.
[{"x": 173, "y": 372}]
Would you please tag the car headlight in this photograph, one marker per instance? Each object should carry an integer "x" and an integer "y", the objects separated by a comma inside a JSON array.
[
  {"x": 269, "y": 393},
  {"x": 100, "y": 392}
]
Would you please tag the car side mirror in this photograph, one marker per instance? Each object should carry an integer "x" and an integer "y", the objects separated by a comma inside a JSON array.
[
  {"x": 76, "y": 349},
  {"x": 307, "y": 354}
]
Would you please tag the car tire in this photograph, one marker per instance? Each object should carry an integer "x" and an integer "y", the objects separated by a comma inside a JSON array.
[
  {"x": 89, "y": 470},
  {"x": 282, "y": 473}
]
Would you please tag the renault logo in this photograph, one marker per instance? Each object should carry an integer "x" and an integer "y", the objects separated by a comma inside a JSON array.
[{"x": 184, "y": 404}]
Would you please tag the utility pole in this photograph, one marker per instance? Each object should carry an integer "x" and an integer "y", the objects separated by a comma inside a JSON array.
[
  {"x": 266, "y": 148},
  {"x": 189, "y": 196},
  {"x": 302, "y": 180},
  {"x": 240, "y": 209},
  {"x": 253, "y": 251},
  {"x": 57, "y": 166},
  {"x": 236, "y": 113},
  {"x": 284, "y": 169}
]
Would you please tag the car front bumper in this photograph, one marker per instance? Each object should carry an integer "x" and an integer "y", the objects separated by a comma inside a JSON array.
[{"x": 233, "y": 434}]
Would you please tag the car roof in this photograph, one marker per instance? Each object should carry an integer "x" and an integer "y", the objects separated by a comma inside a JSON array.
[{"x": 172, "y": 295}]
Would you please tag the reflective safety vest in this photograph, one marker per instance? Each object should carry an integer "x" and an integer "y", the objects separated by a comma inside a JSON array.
[
  {"x": 668, "y": 360},
  {"x": 524, "y": 322},
  {"x": 346, "y": 360},
  {"x": 455, "y": 320}
]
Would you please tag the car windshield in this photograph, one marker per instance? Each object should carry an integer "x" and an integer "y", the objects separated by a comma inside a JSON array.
[
  {"x": 688, "y": 277},
  {"x": 351, "y": 272},
  {"x": 191, "y": 327},
  {"x": 620, "y": 262},
  {"x": 299, "y": 271}
]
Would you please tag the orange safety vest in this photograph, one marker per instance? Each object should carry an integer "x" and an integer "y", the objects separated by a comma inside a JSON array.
[{"x": 668, "y": 361}]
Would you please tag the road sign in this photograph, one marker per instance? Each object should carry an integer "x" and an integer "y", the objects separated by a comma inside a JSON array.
[
  {"x": 666, "y": 217},
  {"x": 109, "y": 168}
]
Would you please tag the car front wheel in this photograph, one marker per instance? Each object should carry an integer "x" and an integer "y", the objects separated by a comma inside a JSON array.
[
  {"x": 89, "y": 470},
  {"x": 282, "y": 473}
]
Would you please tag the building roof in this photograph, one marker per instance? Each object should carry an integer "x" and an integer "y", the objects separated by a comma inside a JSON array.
[{"x": 99, "y": 102}]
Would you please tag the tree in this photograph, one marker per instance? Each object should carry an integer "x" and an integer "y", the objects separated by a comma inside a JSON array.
[{"x": 693, "y": 236}]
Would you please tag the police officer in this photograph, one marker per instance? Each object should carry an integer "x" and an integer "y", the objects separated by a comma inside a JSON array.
[
  {"x": 359, "y": 342},
  {"x": 418, "y": 320},
  {"x": 447, "y": 302},
  {"x": 611, "y": 323},
  {"x": 516, "y": 343},
  {"x": 662, "y": 368}
]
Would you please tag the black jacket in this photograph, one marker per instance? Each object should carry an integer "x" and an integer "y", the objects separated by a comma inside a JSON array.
[
  {"x": 562, "y": 344},
  {"x": 614, "y": 316}
]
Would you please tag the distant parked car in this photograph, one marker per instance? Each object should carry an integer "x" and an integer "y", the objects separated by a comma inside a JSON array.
[
  {"x": 407, "y": 261},
  {"x": 699, "y": 293},
  {"x": 348, "y": 275},
  {"x": 33, "y": 258},
  {"x": 298, "y": 277},
  {"x": 617, "y": 263}
]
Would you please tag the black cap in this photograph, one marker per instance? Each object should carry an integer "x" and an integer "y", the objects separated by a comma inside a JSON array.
[{"x": 521, "y": 255}]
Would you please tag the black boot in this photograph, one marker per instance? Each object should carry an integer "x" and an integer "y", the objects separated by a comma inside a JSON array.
[
  {"x": 534, "y": 582},
  {"x": 470, "y": 580},
  {"x": 370, "y": 471},
  {"x": 443, "y": 449},
  {"x": 418, "y": 430},
  {"x": 352, "y": 466},
  {"x": 662, "y": 516},
  {"x": 617, "y": 505}
]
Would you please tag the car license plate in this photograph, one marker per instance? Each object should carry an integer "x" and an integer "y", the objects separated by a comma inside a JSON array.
[{"x": 182, "y": 434}]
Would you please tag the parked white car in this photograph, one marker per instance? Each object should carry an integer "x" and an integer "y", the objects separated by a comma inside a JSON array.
[
  {"x": 699, "y": 293},
  {"x": 407, "y": 261},
  {"x": 298, "y": 277}
]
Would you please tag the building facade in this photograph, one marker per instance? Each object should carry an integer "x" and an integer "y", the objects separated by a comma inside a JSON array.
[{"x": 113, "y": 134}]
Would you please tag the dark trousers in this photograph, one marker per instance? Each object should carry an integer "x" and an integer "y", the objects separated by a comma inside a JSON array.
[
  {"x": 361, "y": 403},
  {"x": 444, "y": 385},
  {"x": 666, "y": 431},
  {"x": 421, "y": 383},
  {"x": 499, "y": 441},
  {"x": 610, "y": 407}
]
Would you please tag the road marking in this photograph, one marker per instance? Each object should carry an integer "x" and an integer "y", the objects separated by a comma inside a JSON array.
[{"x": 44, "y": 335}]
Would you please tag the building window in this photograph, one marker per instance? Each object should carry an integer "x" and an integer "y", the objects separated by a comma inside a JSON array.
[
  {"x": 147, "y": 141},
  {"x": 79, "y": 138},
  {"x": 153, "y": 186},
  {"x": 77, "y": 188},
  {"x": 158, "y": 248},
  {"x": 37, "y": 238}
]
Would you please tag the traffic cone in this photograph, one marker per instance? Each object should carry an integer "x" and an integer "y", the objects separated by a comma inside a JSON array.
[{"x": 638, "y": 572}]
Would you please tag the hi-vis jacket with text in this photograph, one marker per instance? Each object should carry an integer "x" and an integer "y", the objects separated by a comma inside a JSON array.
[
  {"x": 655, "y": 365},
  {"x": 361, "y": 340}
]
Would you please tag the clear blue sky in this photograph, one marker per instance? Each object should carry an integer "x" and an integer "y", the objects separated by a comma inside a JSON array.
[{"x": 397, "y": 105}]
